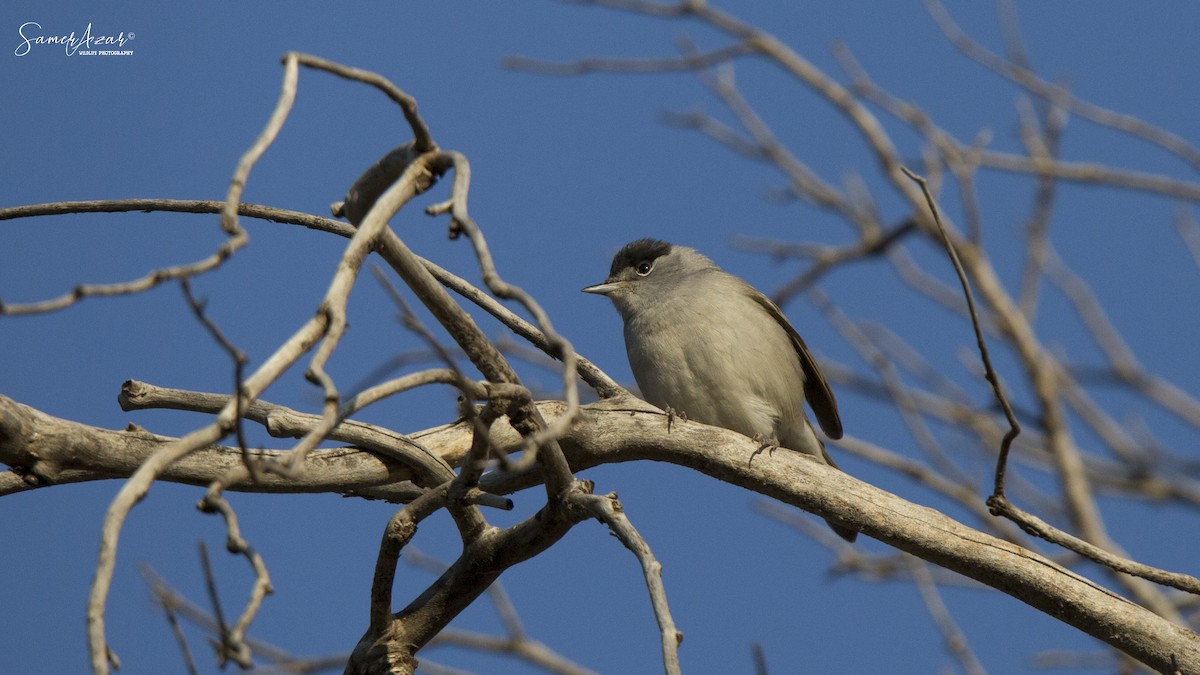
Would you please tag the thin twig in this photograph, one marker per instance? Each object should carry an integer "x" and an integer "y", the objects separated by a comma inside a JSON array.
[
  {"x": 239, "y": 365},
  {"x": 1014, "y": 428},
  {"x": 608, "y": 510},
  {"x": 233, "y": 645},
  {"x": 596, "y": 378},
  {"x": 956, "y": 640},
  {"x": 422, "y": 139},
  {"x": 176, "y": 604},
  {"x": 997, "y": 502},
  {"x": 136, "y": 487},
  {"x": 1057, "y": 94},
  {"x": 543, "y": 437}
]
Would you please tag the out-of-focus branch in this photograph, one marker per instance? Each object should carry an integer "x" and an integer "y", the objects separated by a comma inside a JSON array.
[
  {"x": 956, "y": 641},
  {"x": 1057, "y": 94},
  {"x": 516, "y": 642},
  {"x": 175, "y": 604},
  {"x": 1189, "y": 232},
  {"x": 1030, "y": 523},
  {"x": 1091, "y": 173},
  {"x": 685, "y": 63}
]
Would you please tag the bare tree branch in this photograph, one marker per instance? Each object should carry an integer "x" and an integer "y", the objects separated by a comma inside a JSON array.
[{"x": 615, "y": 431}]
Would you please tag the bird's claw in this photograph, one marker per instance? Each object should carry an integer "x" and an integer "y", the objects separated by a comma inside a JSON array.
[
  {"x": 672, "y": 414},
  {"x": 764, "y": 443}
]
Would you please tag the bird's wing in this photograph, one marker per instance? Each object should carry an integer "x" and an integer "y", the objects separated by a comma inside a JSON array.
[{"x": 816, "y": 389}]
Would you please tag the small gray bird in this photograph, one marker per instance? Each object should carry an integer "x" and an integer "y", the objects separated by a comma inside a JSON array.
[{"x": 709, "y": 345}]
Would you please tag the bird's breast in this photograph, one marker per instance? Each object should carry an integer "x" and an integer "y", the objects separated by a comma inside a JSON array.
[{"x": 722, "y": 372}]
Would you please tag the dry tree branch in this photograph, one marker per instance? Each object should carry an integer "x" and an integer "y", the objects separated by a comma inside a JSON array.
[
  {"x": 1045, "y": 143},
  {"x": 763, "y": 144},
  {"x": 1058, "y": 95},
  {"x": 232, "y": 644},
  {"x": 1189, "y": 231},
  {"x": 416, "y": 178},
  {"x": 588, "y": 371},
  {"x": 260, "y": 211},
  {"x": 611, "y": 431},
  {"x": 401, "y": 528},
  {"x": 237, "y": 239},
  {"x": 139, "y": 483},
  {"x": 1090, "y": 173},
  {"x": 756, "y": 42},
  {"x": 1067, "y": 459},
  {"x": 482, "y": 560},
  {"x": 961, "y": 493},
  {"x": 52, "y": 451},
  {"x": 322, "y": 331},
  {"x": 45, "y": 450},
  {"x": 468, "y": 520},
  {"x": 180, "y": 639},
  {"x": 899, "y": 394},
  {"x": 1124, "y": 364},
  {"x": 956, "y": 641},
  {"x": 426, "y": 468},
  {"x": 422, "y": 139},
  {"x": 558, "y": 346},
  {"x": 174, "y": 603},
  {"x": 997, "y": 501},
  {"x": 685, "y": 63},
  {"x": 516, "y": 642},
  {"x": 214, "y": 601},
  {"x": 962, "y": 161},
  {"x": 870, "y": 567},
  {"x": 872, "y": 244},
  {"x": 531, "y": 651},
  {"x": 607, "y": 432},
  {"x": 608, "y": 510},
  {"x": 475, "y": 345},
  {"x": 1014, "y": 427}
]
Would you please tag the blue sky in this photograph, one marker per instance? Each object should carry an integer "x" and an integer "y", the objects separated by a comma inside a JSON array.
[{"x": 565, "y": 170}]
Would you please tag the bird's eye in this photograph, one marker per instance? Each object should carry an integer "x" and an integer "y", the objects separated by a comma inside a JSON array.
[{"x": 644, "y": 267}]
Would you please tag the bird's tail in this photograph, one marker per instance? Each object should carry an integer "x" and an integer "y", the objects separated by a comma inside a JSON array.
[{"x": 843, "y": 532}]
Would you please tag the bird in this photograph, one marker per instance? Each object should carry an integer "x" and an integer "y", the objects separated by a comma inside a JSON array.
[{"x": 706, "y": 344}]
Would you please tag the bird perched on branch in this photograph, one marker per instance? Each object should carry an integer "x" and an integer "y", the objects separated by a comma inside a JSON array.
[{"x": 705, "y": 343}]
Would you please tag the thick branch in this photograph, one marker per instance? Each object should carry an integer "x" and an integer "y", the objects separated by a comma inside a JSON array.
[
  {"x": 606, "y": 433},
  {"x": 628, "y": 430}
]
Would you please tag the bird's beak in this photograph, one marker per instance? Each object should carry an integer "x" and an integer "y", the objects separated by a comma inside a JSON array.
[{"x": 606, "y": 288}]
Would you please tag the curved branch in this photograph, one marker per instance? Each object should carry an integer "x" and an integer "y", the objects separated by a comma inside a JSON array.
[
  {"x": 629, "y": 430},
  {"x": 596, "y": 378},
  {"x": 610, "y": 431}
]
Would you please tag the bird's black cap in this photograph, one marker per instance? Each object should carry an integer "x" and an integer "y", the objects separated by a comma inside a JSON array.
[{"x": 636, "y": 251}]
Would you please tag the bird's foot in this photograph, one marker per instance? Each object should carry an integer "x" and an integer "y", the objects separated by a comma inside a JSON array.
[
  {"x": 768, "y": 443},
  {"x": 672, "y": 414}
]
